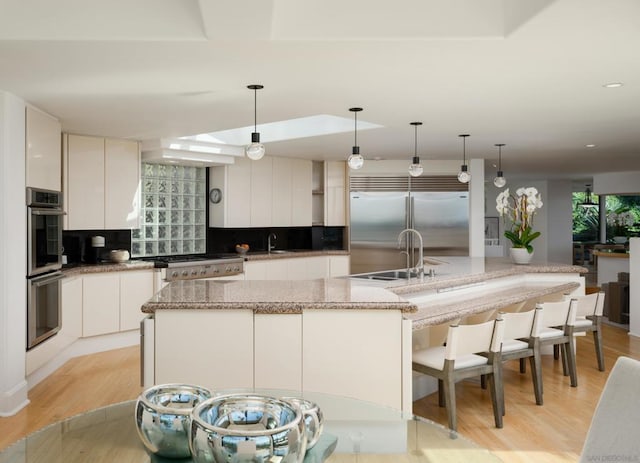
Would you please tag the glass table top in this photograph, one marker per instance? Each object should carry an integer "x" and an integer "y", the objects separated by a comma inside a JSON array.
[{"x": 365, "y": 432}]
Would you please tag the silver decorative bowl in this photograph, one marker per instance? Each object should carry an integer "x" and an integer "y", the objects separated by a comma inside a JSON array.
[
  {"x": 247, "y": 428},
  {"x": 163, "y": 417},
  {"x": 312, "y": 417}
]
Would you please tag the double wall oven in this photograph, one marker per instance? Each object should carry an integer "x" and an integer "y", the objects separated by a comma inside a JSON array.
[{"x": 44, "y": 261}]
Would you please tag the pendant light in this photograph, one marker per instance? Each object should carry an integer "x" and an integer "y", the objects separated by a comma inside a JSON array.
[
  {"x": 499, "y": 181},
  {"x": 588, "y": 200},
  {"x": 255, "y": 150},
  {"x": 415, "y": 169},
  {"x": 463, "y": 175},
  {"x": 355, "y": 161}
]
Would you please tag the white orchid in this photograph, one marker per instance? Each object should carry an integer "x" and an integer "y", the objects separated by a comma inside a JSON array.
[{"x": 520, "y": 209}]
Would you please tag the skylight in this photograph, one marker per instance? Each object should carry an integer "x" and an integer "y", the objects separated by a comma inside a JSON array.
[{"x": 303, "y": 127}]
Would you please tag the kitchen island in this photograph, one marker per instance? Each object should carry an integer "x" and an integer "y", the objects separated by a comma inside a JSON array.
[{"x": 349, "y": 336}]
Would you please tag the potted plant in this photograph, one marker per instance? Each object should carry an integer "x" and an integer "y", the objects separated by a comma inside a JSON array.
[
  {"x": 619, "y": 220},
  {"x": 520, "y": 210}
]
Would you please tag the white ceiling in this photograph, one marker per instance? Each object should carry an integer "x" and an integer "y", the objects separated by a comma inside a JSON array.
[{"x": 528, "y": 73}]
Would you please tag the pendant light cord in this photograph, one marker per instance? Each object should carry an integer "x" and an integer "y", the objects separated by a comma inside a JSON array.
[
  {"x": 255, "y": 109},
  {"x": 464, "y": 151},
  {"x": 415, "y": 150},
  {"x": 355, "y": 130},
  {"x": 499, "y": 157}
]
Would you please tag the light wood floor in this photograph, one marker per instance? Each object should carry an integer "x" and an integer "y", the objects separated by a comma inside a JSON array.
[{"x": 553, "y": 432}]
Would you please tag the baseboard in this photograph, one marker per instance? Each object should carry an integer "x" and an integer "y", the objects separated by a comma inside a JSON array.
[
  {"x": 81, "y": 347},
  {"x": 14, "y": 400}
]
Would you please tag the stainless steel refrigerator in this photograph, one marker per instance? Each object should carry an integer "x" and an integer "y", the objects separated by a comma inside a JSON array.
[{"x": 378, "y": 217}]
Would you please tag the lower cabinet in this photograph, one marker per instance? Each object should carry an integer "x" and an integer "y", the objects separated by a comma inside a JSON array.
[
  {"x": 297, "y": 268},
  {"x": 353, "y": 353},
  {"x": 211, "y": 348},
  {"x": 111, "y": 301}
]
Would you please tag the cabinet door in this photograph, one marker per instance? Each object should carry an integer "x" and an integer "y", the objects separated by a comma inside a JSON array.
[
  {"x": 278, "y": 351},
  {"x": 255, "y": 270},
  {"x": 100, "y": 304},
  {"x": 301, "y": 193},
  {"x": 281, "y": 201},
  {"x": 43, "y": 151},
  {"x": 136, "y": 288},
  {"x": 354, "y": 353},
  {"x": 236, "y": 199},
  {"x": 212, "y": 348},
  {"x": 122, "y": 184},
  {"x": 261, "y": 192},
  {"x": 335, "y": 194},
  {"x": 84, "y": 195}
]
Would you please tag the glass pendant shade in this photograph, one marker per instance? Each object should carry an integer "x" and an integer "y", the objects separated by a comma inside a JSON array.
[
  {"x": 355, "y": 161},
  {"x": 588, "y": 200},
  {"x": 416, "y": 169},
  {"x": 255, "y": 150},
  {"x": 499, "y": 181},
  {"x": 463, "y": 175}
]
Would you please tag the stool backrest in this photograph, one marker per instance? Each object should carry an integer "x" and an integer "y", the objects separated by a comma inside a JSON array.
[
  {"x": 519, "y": 325},
  {"x": 558, "y": 313},
  {"x": 472, "y": 339}
]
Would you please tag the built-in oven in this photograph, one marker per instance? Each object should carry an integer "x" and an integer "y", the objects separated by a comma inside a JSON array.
[
  {"x": 44, "y": 317},
  {"x": 44, "y": 261},
  {"x": 44, "y": 231}
]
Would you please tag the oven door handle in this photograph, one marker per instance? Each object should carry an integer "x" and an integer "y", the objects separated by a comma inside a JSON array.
[
  {"x": 47, "y": 212},
  {"x": 46, "y": 279}
]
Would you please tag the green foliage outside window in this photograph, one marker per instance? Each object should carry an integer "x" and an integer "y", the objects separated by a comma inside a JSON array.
[{"x": 586, "y": 221}]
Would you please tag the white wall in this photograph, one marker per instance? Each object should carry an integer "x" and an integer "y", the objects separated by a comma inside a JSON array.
[
  {"x": 616, "y": 183},
  {"x": 476, "y": 208},
  {"x": 13, "y": 386},
  {"x": 559, "y": 221}
]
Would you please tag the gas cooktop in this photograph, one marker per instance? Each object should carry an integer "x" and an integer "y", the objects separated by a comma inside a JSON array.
[{"x": 188, "y": 259}]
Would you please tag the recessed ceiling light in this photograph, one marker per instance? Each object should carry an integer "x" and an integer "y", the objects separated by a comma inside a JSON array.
[
  {"x": 613, "y": 85},
  {"x": 590, "y": 145}
]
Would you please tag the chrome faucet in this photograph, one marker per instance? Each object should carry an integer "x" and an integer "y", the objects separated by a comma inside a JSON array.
[
  {"x": 419, "y": 267},
  {"x": 269, "y": 246}
]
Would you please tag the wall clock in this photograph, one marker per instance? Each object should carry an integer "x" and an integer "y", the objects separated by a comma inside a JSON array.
[{"x": 215, "y": 195}]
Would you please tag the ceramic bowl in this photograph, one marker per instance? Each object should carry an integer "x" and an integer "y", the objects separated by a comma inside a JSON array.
[
  {"x": 241, "y": 250},
  {"x": 163, "y": 417},
  {"x": 119, "y": 255},
  {"x": 252, "y": 428}
]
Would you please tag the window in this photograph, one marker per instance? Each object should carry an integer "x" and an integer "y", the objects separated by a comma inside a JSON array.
[{"x": 173, "y": 211}]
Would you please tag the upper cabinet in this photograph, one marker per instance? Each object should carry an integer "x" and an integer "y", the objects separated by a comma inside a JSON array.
[
  {"x": 43, "y": 151},
  {"x": 271, "y": 192},
  {"x": 101, "y": 183},
  {"x": 329, "y": 181}
]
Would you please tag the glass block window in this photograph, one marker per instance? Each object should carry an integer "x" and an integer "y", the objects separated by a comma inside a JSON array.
[{"x": 173, "y": 211}]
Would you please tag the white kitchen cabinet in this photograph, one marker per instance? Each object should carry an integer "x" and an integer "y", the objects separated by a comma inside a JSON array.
[
  {"x": 278, "y": 351},
  {"x": 271, "y": 192},
  {"x": 301, "y": 197},
  {"x": 43, "y": 150},
  {"x": 282, "y": 192},
  {"x": 122, "y": 184},
  {"x": 256, "y": 270},
  {"x": 100, "y": 304},
  {"x": 101, "y": 183},
  {"x": 136, "y": 288},
  {"x": 84, "y": 182},
  {"x": 335, "y": 194},
  {"x": 212, "y": 348},
  {"x": 329, "y": 366},
  {"x": 261, "y": 192},
  {"x": 293, "y": 268}
]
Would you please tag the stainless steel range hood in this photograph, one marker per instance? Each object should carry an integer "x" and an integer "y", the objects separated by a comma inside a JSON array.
[{"x": 189, "y": 152}]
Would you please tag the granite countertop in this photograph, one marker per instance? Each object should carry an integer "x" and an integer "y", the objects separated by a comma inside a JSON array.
[
  {"x": 81, "y": 269},
  {"x": 278, "y": 296},
  {"x": 457, "y": 271}
]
